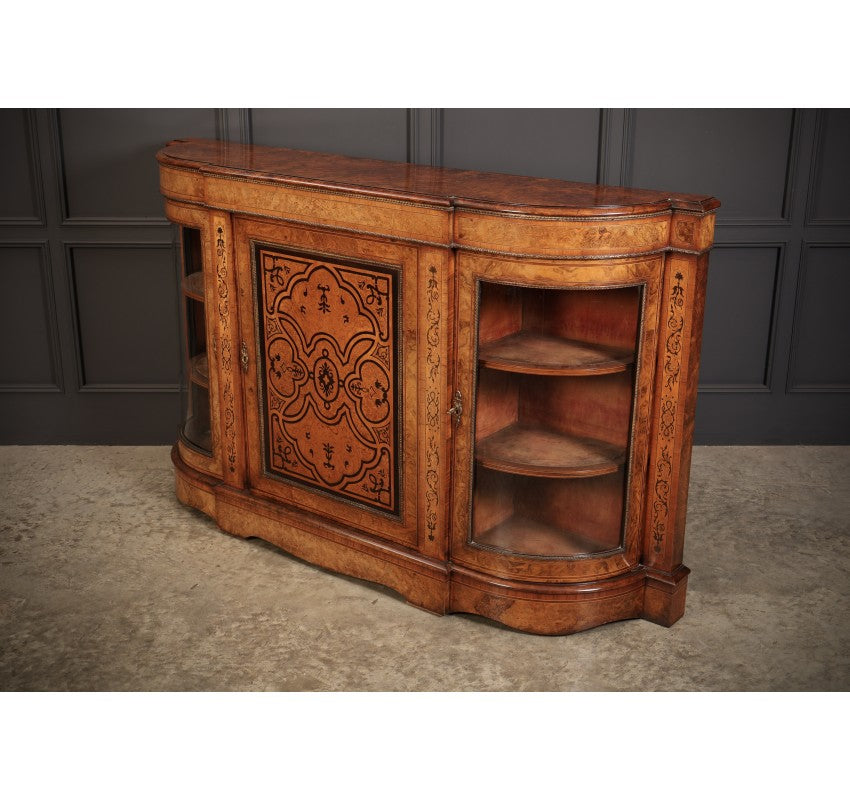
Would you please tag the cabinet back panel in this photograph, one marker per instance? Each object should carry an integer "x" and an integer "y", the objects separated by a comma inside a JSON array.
[
  {"x": 598, "y": 407},
  {"x": 589, "y": 507},
  {"x": 497, "y": 402},
  {"x": 493, "y": 499},
  {"x": 607, "y": 316},
  {"x": 499, "y": 311}
]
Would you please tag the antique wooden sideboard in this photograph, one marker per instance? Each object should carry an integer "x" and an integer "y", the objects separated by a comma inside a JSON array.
[{"x": 475, "y": 389}]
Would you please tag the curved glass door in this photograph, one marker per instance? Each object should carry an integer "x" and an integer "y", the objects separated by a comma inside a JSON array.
[
  {"x": 196, "y": 390},
  {"x": 553, "y": 409}
]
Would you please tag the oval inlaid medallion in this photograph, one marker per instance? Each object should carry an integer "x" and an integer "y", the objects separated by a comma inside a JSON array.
[{"x": 326, "y": 379}]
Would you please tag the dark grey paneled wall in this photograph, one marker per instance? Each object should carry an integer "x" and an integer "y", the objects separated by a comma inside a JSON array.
[{"x": 90, "y": 349}]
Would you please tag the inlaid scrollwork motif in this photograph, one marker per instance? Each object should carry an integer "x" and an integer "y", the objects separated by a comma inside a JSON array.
[
  {"x": 433, "y": 334},
  {"x": 328, "y": 338},
  {"x": 226, "y": 352},
  {"x": 675, "y": 323},
  {"x": 668, "y": 418},
  {"x": 432, "y": 404},
  {"x": 662, "y": 490},
  {"x": 667, "y": 423}
]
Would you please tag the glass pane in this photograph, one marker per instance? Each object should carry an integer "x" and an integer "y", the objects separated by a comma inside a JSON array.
[{"x": 196, "y": 398}]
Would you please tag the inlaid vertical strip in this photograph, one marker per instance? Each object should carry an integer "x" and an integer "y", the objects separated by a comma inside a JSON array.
[
  {"x": 227, "y": 392},
  {"x": 671, "y": 393},
  {"x": 432, "y": 403}
]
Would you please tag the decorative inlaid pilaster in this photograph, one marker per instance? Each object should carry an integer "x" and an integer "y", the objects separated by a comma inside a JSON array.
[
  {"x": 671, "y": 393},
  {"x": 432, "y": 403},
  {"x": 223, "y": 306}
]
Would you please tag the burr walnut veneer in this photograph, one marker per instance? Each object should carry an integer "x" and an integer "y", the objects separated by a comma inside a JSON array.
[{"x": 475, "y": 389}]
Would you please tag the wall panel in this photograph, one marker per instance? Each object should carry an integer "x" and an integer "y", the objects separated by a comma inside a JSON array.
[
  {"x": 738, "y": 317},
  {"x": 20, "y": 200},
  {"x": 830, "y": 200},
  {"x": 548, "y": 143},
  {"x": 27, "y": 328},
  {"x": 107, "y": 159},
  {"x": 740, "y": 156},
  {"x": 127, "y": 316},
  {"x": 364, "y": 132},
  {"x": 88, "y": 297},
  {"x": 820, "y": 350}
]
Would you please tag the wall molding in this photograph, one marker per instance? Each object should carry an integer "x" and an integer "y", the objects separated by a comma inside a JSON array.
[
  {"x": 222, "y": 124},
  {"x": 425, "y": 136},
  {"x": 610, "y": 146},
  {"x": 246, "y": 126}
]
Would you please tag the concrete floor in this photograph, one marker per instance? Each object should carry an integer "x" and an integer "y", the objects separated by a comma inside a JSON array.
[{"x": 108, "y": 583}]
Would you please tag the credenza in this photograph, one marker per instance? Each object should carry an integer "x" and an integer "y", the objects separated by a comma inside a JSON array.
[{"x": 475, "y": 389}]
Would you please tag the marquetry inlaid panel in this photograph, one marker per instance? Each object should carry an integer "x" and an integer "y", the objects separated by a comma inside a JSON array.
[{"x": 329, "y": 369}]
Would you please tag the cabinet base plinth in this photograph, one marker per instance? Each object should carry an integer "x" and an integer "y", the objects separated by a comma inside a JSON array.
[
  {"x": 423, "y": 582},
  {"x": 664, "y": 600},
  {"x": 555, "y": 608},
  {"x": 438, "y": 587}
]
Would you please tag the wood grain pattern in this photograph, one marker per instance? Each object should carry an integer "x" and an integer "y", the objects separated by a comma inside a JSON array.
[{"x": 347, "y": 303}]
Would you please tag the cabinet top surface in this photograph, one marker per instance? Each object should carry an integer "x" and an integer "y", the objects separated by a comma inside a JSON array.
[{"x": 422, "y": 184}]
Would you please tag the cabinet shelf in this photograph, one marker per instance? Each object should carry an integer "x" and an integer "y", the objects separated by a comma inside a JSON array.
[
  {"x": 529, "y": 537},
  {"x": 193, "y": 285},
  {"x": 536, "y": 451},
  {"x": 533, "y": 354},
  {"x": 199, "y": 370}
]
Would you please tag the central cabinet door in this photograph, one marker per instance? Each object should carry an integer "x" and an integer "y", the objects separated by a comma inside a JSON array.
[
  {"x": 555, "y": 373},
  {"x": 330, "y": 363}
]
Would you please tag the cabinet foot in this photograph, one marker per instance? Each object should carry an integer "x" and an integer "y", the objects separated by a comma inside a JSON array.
[{"x": 664, "y": 597}]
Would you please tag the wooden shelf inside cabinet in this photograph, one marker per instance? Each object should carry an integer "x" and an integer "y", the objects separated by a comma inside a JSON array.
[
  {"x": 193, "y": 285},
  {"x": 529, "y": 537},
  {"x": 199, "y": 370},
  {"x": 542, "y": 453},
  {"x": 532, "y": 354}
]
